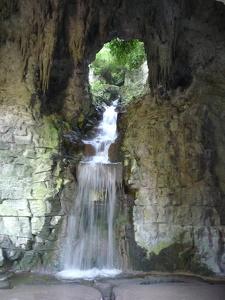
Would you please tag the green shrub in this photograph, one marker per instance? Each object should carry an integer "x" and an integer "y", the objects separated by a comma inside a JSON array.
[
  {"x": 116, "y": 58},
  {"x": 129, "y": 54}
]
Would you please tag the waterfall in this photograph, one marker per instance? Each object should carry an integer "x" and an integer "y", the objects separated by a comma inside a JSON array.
[{"x": 90, "y": 247}]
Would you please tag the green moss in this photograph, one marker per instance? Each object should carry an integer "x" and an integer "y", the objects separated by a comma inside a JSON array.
[
  {"x": 30, "y": 261},
  {"x": 81, "y": 120},
  {"x": 48, "y": 134},
  {"x": 158, "y": 247},
  {"x": 51, "y": 260},
  {"x": 40, "y": 190},
  {"x": 126, "y": 162},
  {"x": 25, "y": 278},
  {"x": 59, "y": 182},
  {"x": 133, "y": 165},
  {"x": 198, "y": 267}
]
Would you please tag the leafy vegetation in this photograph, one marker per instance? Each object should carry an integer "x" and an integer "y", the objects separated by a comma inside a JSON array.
[
  {"x": 116, "y": 58},
  {"x": 111, "y": 64},
  {"x": 130, "y": 54}
]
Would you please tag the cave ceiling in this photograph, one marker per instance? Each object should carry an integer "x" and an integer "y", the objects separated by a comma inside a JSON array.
[{"x": 183, "y": 39}]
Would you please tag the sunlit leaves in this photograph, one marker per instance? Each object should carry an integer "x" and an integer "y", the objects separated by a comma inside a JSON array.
[
  {"x": 116, "y": 58},
  {"x": 129, "y": 54}
]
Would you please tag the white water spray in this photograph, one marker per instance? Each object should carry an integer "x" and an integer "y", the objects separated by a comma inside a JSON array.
[
  {"x": 106, "y": 135},
  {"x": 90, "y": 249}
]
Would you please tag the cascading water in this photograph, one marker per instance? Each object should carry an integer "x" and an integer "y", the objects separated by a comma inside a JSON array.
[{"x": 90, "y": 249}]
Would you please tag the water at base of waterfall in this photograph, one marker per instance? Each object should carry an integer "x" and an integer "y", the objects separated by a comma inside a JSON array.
[
  {"x": 90, "y": 247},
  {"x": 89, "y": 274}
]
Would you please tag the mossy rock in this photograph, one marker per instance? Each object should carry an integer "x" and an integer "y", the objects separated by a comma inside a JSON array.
[{"x": 30, "y": 261}]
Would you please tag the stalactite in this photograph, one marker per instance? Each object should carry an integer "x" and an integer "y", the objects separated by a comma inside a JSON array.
[
  {"x": 7, "y": 7},
  {"x": 88, "y": 19},
  {"x": 47, "y": 32},
  {"x": 36, "y": 33},
  {"x": 161, "y": 43}
]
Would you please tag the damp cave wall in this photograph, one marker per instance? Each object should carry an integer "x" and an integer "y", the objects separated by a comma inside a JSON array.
[{"x": 171, "y": 139}]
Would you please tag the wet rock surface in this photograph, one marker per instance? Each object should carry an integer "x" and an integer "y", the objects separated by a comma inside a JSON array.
[
  {"x": 30, "y": 286},
  {"x": 69, "y": 292},
  {"x": 170, "y": 168},
  {"x": 170, "y": 292}
]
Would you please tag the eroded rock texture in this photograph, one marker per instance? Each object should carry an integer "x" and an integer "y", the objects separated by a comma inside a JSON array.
[
  {"x": 172, "y": 141},
  {"x": 169, "y": 161}
]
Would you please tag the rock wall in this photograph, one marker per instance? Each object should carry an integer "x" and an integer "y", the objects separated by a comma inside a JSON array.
[
  {"x": 135, "y": 83},
  {"x": 28, "y": 184},
  {"x": 31, "y": 180},
  {"x": 170, "y": 166}
]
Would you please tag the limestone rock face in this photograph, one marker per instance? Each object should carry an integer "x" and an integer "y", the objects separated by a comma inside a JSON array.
[
  {"x": 170, "y": 166},
  {"x": 30, "y": 209},
  {"x": 135, "y": 84}
]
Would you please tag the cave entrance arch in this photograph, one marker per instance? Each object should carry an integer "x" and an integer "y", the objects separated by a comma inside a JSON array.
[{"x": 115, "y": 64}]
